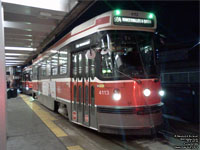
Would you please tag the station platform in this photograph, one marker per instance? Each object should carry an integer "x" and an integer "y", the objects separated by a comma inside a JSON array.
[{"x": 29, "y": 127}]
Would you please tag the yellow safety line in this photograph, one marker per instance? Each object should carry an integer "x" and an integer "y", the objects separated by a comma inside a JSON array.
[
  {"x": 74, "y": 147},
  {"x": 46, "y": 117}
]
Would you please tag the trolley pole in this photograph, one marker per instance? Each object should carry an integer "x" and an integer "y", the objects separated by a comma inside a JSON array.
[{"x": 2, "y": 84}]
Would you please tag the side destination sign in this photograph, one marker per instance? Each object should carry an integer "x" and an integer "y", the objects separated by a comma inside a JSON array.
[{"x": 127, "y": 21}]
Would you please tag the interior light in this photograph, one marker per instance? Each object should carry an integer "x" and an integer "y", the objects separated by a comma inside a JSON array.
[
  {"x": 151, "y": 15},
  {"x": 117, "y": 12}
]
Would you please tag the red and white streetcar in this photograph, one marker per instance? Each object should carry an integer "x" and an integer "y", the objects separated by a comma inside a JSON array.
[
  {"x": 27, "y": 80},
  {"x": 102, "y": 75}
]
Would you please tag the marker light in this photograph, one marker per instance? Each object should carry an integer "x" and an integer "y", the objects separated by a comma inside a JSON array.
[
  {"x": 147, "y": 92},
  {"x": 103, "y": 71},
  {"x": 161, "y": 93},
  {"x": 150, "y": 16},
  {"x": 117, "y": 12},
  {"x": 116, "y": 95}
]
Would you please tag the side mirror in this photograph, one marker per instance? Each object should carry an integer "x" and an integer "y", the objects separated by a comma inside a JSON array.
[{"x": 90, "y": 54}]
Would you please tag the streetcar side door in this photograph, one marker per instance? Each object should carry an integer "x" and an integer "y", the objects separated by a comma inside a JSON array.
[{"x": 83, "y": 90}]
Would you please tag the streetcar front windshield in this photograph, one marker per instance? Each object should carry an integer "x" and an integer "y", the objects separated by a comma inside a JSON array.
[
  {"x": 131, "y": 54},
  {"x": 28, "y": 76}
]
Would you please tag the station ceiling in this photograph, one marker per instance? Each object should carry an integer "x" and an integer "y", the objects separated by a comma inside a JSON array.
[{"x": 30, "y": 25}]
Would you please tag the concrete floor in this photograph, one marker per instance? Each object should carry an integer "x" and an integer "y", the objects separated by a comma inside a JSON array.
[{"x": 25, "y": 130}]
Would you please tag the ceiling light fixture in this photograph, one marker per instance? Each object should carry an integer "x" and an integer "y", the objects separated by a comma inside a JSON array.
[
  {"x": 14, "y": 61},
  {"x": 20, "y": 48},
  {"x": 15, "y": 58},
  {"x": 14, "y": 54}
]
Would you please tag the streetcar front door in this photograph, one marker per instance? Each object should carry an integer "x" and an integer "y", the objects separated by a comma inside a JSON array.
[
  {"x": 80, "y": 88},
  {"x": 74, "y": 86},
  {"x": 86, "y": 102}
]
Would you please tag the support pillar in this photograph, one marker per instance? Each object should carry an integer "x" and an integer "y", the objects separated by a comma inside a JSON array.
[{"x": 3, "y": 95}]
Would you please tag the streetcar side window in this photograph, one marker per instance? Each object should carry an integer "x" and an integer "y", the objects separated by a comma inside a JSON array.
[
  {"x": 43, "y": 68},
  {"x": 74, "y": 63},
  {"x": 31, "y": 75},
  {"x": 49, "y": 67},
  {"x": 80, "y": 65},
  {"x": 54, "y": 64},
  {"x": 63, "y": 62},
  {"x": 35, "y": 72},
  {"x": 39, "y": 71}
]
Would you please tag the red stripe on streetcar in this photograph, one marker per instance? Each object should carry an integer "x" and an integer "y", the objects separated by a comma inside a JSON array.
[{"x": 99, "y": 21}]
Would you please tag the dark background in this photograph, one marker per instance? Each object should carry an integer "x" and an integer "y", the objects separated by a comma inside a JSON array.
[{"x": 177, "y": 20}]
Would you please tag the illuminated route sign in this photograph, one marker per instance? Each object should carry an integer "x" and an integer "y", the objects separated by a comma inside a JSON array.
[{"x": 127, "y": 21}]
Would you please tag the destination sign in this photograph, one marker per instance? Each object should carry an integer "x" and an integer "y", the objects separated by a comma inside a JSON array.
[{"x": 128, "y": 21}]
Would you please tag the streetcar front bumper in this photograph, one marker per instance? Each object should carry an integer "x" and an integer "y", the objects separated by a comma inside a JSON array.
[{"x": 129, "y": 120}]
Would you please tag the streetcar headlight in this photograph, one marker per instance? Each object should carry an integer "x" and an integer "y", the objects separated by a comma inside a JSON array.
[
  {"x": 116, "y": 95},
  {"x": 27, "y": 88},
  {"x": 161, "y": 93},
  {"x": 147, "y": 92}
]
